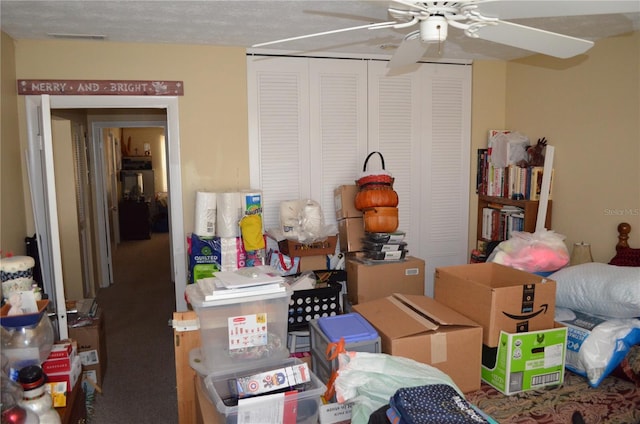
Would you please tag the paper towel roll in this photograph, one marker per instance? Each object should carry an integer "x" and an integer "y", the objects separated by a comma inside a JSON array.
[
  {"x": 205, "y": 221},
  {"x": 290, "y": 218},
  {"x": 228, "y": 214},
  {"x": 251, "y": 202}
]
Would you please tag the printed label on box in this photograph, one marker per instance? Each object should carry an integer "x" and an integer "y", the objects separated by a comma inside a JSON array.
[
  {"x": 247, "y": 331},
  {"x": 89, "y": 357},
  {"x": 335, "y": 413}
]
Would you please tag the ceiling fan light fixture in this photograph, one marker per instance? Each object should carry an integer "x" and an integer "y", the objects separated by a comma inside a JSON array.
[{"x": 433, "y": 29}]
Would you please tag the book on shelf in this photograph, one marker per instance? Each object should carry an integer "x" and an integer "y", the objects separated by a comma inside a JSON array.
[
  {"x": 500, "y": 221},
  {"x": 536, "y": 182},
  {"x": 511, "y": 182}
]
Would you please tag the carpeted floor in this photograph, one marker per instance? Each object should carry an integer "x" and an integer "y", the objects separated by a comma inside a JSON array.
[{"x": 140, "y": 381}]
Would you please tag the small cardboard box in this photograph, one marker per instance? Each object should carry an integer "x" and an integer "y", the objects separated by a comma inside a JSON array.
[
  {"x": 344, "y": 198},
  {"x": 419, "y": 328},
  {"x": 497, "y": 297},
  {"x": 351, "y": 233},
  {"x": 295, "y": 248},
  {"x": 92, "y": 346},
  {"x": 311, "y": 263},
  {"x": 368, "y": 281},
  {"x": 70, "y": 377},
  {"x": 525, "y": 361}
]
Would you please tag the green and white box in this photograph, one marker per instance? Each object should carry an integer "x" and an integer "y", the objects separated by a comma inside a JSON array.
[{"x": 525, "y": 361}]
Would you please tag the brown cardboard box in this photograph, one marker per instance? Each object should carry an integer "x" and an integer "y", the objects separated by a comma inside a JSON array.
[
  {"x": 295, "y": 248},
  {"x": 311, "y": 263},
  {"x": 497, "y": 297},
  {"x": 344, "y": 197},
  {"x": 92, "y": 346},
  {"x": 419, "y": 328},
  {"x": 367, "y": 282},
  {"x": 351, "y": 233}
]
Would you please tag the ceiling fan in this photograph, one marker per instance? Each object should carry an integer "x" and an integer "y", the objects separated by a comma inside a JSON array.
[{"x": 483, "y": 19}]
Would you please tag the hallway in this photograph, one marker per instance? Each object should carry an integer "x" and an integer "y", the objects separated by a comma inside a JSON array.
[{"x": 139, "y": 385}]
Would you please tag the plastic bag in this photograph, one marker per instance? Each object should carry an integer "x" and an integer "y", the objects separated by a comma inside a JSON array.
[
  {"x": 541, "y": 251},
  {"x": 508, "y": 148},
  {"x": 597, "y": 345},
  {"x": 369, "y": 380}
]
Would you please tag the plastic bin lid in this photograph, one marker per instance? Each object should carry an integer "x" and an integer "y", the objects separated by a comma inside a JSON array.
[{"x": 353, "y": 327}]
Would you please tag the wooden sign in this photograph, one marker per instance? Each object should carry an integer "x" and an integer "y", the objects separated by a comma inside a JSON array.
[{"x": 101, "y": 87}]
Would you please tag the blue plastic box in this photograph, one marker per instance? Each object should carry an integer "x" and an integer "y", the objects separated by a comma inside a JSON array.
[
  {"x": 353, "y": 327},
  {"x": 359, "y": 336}
]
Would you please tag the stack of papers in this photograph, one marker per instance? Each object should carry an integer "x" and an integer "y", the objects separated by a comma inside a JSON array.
[{"x": 243, "y": 282}]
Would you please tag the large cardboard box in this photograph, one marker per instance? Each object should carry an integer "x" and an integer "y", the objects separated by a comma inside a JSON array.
[
  {"x": 368, "y": 281},
  {"x": 419, "y": 328},
  {"x": 497, "y": 297},
  {"x": 350, "y": 234},
  {"x": 92, "y": 347},
  {"x": 525, "y": 361},
  {"x": 344, "y": 198}
]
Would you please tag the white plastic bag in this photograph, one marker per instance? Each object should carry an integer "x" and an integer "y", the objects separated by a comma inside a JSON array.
[
  {"x": 508, "y": 148},
  {"x": 541, "y": 251},
  {"x": 368, "y": 380}
]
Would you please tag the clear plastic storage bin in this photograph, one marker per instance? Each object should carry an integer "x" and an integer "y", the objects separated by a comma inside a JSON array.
[
  {"x": 234, "y": 331},
  {"x": 304, "y": 404}
]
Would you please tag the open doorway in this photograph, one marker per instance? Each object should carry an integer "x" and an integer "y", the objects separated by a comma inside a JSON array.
[{"x": 42, "y": 177}]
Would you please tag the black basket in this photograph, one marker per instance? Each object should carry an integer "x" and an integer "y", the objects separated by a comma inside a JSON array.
[{"x": 306, "y": 305}]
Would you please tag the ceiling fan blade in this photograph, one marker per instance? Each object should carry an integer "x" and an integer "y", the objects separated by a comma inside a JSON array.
[
  {"x": 335, "y": 31},
  {"x": 533, "y": 39},
  {"x": 409, "y": 51},
  {"x": 518, "y": 9}
]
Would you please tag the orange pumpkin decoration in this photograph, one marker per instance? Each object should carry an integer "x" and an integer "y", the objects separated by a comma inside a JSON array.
[
  {"x": 381, "y": 220},
  {"x": 382, "y": 195}
]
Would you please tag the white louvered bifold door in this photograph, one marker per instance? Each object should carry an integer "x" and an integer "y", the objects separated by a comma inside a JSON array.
[
  {"x": 312, "y": 123},
  {"x": 446, "y": 140},
  {"x": 394, "y": 131},
  {"x": 278, "y": 131},
  {"x": 338, "y": 106}
]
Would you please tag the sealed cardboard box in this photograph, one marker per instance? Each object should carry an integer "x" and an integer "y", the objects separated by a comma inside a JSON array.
[
  {"x": 344, "y": 198},
  {"x": 525, "y": 361},
  {"x": 497, "y": 297},
  {"x": 369, "y": 280},
  {"x": 92, "y": 346},
  {"x": 295, "y": 248},
  {"x": 351, "y": 233},
  {"x": 419, "y": 328}
]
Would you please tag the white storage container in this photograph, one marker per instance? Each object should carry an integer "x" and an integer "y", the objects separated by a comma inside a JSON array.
[
  {"x": 304, "y": 404},
  {"x": 236, "y": 330}
]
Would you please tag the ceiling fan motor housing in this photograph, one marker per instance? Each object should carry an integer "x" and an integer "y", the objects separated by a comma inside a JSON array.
[{"x": 433, "y": 29}]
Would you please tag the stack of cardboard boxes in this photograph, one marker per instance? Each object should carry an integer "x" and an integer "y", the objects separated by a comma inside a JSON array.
[
  {"x": 368, "y": 280},
  {"x": 92, "y": 347},
  {"x": 485, "y": 322},
  {"x": 523, "y": 348}
]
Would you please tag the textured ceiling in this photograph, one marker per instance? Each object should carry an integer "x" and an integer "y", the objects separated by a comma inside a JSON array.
[{"x": 244, "y": 23}]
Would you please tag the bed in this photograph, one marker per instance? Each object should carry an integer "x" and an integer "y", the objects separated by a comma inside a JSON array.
[{"x": 615, "y": 400}]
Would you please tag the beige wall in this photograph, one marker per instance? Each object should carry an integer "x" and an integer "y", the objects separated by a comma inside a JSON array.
[
  {"x": 213, "y": 111},
  {"x": 155, "y": 138},
  {"x": 488, "y": 112},
  {"x": 589, "y": 109},
  {"x": 13, "y": 223}
]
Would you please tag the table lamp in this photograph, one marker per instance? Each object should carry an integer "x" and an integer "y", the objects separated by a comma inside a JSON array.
[{"x": 581, "y": 254}]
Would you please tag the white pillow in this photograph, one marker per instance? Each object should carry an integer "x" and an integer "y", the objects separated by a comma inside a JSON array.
[{"x": 599, "y": 289}]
